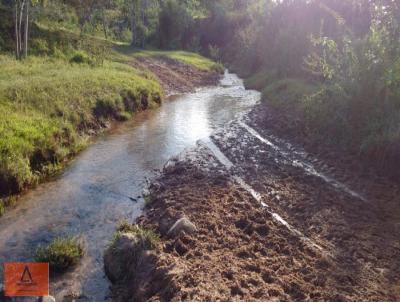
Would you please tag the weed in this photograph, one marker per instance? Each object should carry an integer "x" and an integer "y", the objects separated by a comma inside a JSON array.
[
  {"x": 148, "y": 237},
  {"x": 61, "y": 254}
]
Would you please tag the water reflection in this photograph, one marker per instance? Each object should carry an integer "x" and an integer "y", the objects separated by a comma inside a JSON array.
[{"x": 99, "y": 187}]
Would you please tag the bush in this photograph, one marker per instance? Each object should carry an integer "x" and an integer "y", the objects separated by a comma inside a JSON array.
[
  {"x": 81, "y": 57},
  {"x": 61, "y": 254},
  {"x": 288, "y": 93}
]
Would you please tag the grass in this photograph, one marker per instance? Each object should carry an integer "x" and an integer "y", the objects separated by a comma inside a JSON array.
[
  {"x": 61, "y": 254},
  {"x": 48, "y": 105},
  {"x": 148, "y": 237},
  {"x": 188, "y": 58},
  {"x": 67, "y": 89}
]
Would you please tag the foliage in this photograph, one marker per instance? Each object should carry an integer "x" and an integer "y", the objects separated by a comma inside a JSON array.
[
  {"x": 81, "y": 57},
  {"x": 335, "y": 62},
  {"x": 61, "y": 254},
  {"x": 332, "y": 64}
]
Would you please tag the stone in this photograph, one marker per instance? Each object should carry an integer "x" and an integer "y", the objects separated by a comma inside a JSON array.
[
  {"x": 48, "y": 299},
  {"x": 182, "y": 225},
  {"x": 169, "y": 167}
]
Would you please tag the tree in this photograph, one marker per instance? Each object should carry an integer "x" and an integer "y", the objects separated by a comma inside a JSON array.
[{"x": 21, "y": 24}]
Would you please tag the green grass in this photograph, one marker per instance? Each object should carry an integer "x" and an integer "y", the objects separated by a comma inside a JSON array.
[
  {"x": 61, "y": 254},
  {"x": 67, "y": 89},
  {"x": 188, "y": 58},
  {"x": 48, "y": 105},
  {"x": 148, "y": 237}
]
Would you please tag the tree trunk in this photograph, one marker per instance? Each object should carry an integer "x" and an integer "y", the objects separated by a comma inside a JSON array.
[
  {"x": 16, "y": 30},
  {"x": 133, "y": 23},
  {"x": 104, "y": 24},
  {"x": 26, "y": 29},
  {"x": 21, "y": 13},
  {"x": 144, "y": 7}
]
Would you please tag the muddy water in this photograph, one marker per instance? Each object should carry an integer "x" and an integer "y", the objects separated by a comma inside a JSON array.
[{"x": 102, "y": 186}]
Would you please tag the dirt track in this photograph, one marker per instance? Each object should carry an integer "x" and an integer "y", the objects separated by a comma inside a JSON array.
[{"x": 176, "y": 77}]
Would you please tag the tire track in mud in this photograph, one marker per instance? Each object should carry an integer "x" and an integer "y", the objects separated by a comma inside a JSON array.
[
  {"x": 322, "y": 208},
  {"x": 307, "y": 167},
  {"x": 219, "y": 155}
]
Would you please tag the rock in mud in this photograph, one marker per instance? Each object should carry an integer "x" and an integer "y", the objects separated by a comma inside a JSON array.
[
  {"x": 182, "y": 225},
  {"x": 169, "y": 167},
  {"x": 121, "y": 257}
]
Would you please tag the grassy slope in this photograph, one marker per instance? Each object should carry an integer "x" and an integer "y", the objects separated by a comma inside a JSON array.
[
  {"x": 48, "y": 106},
  {"x": 193, "y": 59}
]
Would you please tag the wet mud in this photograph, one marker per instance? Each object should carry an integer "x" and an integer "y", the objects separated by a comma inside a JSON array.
[{"x": 275, "y": 223}]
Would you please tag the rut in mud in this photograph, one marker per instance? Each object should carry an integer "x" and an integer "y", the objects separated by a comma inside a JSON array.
[{"x": 275, "y": 223}]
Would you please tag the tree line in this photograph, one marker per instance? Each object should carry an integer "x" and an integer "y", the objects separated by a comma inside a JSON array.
[{"x": 347, "y": 50}]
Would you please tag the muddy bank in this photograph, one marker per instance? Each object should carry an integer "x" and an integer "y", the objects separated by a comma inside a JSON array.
[
  {"x": 176, "y": 77},
  {"x": 240, "y": 251},
  {"x": 275, "y": 223},
  {"x": 289, "y": 125},
  {"x": 104, "y": 184}
]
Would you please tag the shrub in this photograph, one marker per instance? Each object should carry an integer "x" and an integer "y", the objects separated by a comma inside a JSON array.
[
  {"x": 81, "y": 57},
  {"x": 218, "y": 68},
  {"x": 61, "y": 254}
]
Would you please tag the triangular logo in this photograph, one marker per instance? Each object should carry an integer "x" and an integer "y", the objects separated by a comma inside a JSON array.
[{"x": 26, "y": 276}]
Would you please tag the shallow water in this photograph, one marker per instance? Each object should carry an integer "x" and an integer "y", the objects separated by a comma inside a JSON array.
[{"x": 103, "y": 184}]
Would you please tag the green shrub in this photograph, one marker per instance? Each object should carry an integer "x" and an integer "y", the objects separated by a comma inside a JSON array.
[
  {"x": 288, "y": 92},
  {"x": 61, "y": 254},
  {"x": 40, "y": 46},
  {"x": 260, "y": 80},
  {"x": 81, "y": 57}
]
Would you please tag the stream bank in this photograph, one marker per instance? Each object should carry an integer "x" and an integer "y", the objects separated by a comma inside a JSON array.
[
  {"x": 273, "y": 223},
  {"x": 52, "y": 110},
  {"x": 104, "y": 184}
]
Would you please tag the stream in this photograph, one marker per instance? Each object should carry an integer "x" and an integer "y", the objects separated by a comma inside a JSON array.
[{"x": 103, "y": 185}]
